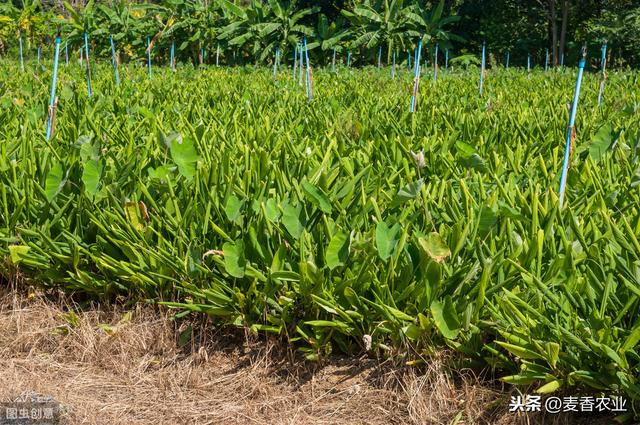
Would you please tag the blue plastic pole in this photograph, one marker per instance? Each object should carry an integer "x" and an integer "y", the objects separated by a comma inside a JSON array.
[
  {"x": 572, "y": 120},
  {"x": 446, "y": 59},
  {"x": 393, "y": 67},
  {"x": 295, "y": 62},
  {"x": 508, "y": 58},
  {"x": 306, "y": 54},
  {"x": 546, "y": 60},
  {"x": 52, "y": 98},
  {"x": 300, "y": 64},
  {"x": 218, "y": 55},
  {"x": 38, "y": 55},
  {"x": 416, "y": 78},
  {"x": 349, "y": 59},
  {"x": 173, "y": 55},
  {"x": 86, "y": 48},
  {"x": 149, "y": 55},
  {"x": 21, "y": 57},
  {"x": 275, "y": 64},
  {"x": 603, "y": 74},
  {"x": 113, "y": 60},
  {"x": 435, "y": 64},
  {"x": 379, "y": 57},
  {"x": 562, "y": 59},
  {"x": 482, "y": 68},
  {"x": 333, "y": 61},
  {"x": 528, "y": 62}
]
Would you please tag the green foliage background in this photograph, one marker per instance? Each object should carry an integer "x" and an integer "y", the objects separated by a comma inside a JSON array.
[{"x": 249, "y": 31}]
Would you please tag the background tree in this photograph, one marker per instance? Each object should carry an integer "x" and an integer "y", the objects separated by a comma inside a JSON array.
[
  {"x": 432, "y": 25},
  {"x": 252, "y": 29},
  {"x": 330, "y": 35},
  {"x": 283, "y": 27},
  {"x": 8, "y": 25},
  {"x": 81, "y": 20},
  {"x": 383, "y": 23}
]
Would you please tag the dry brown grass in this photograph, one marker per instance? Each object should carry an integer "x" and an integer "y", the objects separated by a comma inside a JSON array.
[{"x": 135, "y": 373}]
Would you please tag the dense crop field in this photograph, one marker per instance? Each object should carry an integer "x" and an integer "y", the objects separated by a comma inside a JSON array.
[{"x": 345, "y": 223}]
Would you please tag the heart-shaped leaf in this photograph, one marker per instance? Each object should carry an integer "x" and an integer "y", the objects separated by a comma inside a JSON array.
[
  {"x": 56, "y": 180},
  {"x": 234, "y": 261},
  {"x": 91, "y": 174},
  {"x": 184, "y": 154},
  {"x": 338, "y": 250},
  {"x": 387, "y": 239},
  {"x": 446, "y": 318},
  {"x": 410, "y": 191},
  {"x": 294, "y": 220}
]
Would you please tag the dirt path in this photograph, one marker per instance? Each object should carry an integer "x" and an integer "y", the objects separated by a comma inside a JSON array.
[{"x": 112, "y": 367}]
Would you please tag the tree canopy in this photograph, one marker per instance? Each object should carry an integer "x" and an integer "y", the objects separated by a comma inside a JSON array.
[{"x": 251, "y": 30}]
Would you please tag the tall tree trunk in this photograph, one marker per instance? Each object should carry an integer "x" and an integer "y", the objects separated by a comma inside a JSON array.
[
  {"x": 563, "y": 29},
  {"x": 553, "y": 20}
]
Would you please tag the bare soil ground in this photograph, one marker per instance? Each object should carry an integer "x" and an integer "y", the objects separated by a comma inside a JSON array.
[{"x": 109, "y": 366}]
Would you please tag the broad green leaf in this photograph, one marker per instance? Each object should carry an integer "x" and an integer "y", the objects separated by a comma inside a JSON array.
[
  {"x": 293, "y": 220},
  {"x": 601, "y": 142},
  {"x": 184, "y": 154},
  {"x": 635, "y": 179},
  {"x": 88, "y": 150},
  {"x": 233, "y": 209},
  {"x": 17, "y": 253},
  {"x": 550, "y": 387},
  {"x": 338, "y": 250},
  {"x": 487, "y": 220},
  {"x": 387, "y": 239},
  {"x": 446, "y": 318},
  {"x": 410, "y": 191},
  {"x": 234, "y": 261},
  {"x": 271, "y": 210},
  {"x": 434, "y": 247},
  {"x": 317, "y": 197},
  {"x": 465, "y": 150},
  {"x": 161, "y": 173},
  {"x": 91, "y": 174},
  {"x": 56, "y": 180},
  {"x": 476, "y": 162},
  {"x": 632, "y": 340},
  {"x": 553, "y": 353},
  {"x": 412, "y": 332},
  {"x": 133, "y": 215}
]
